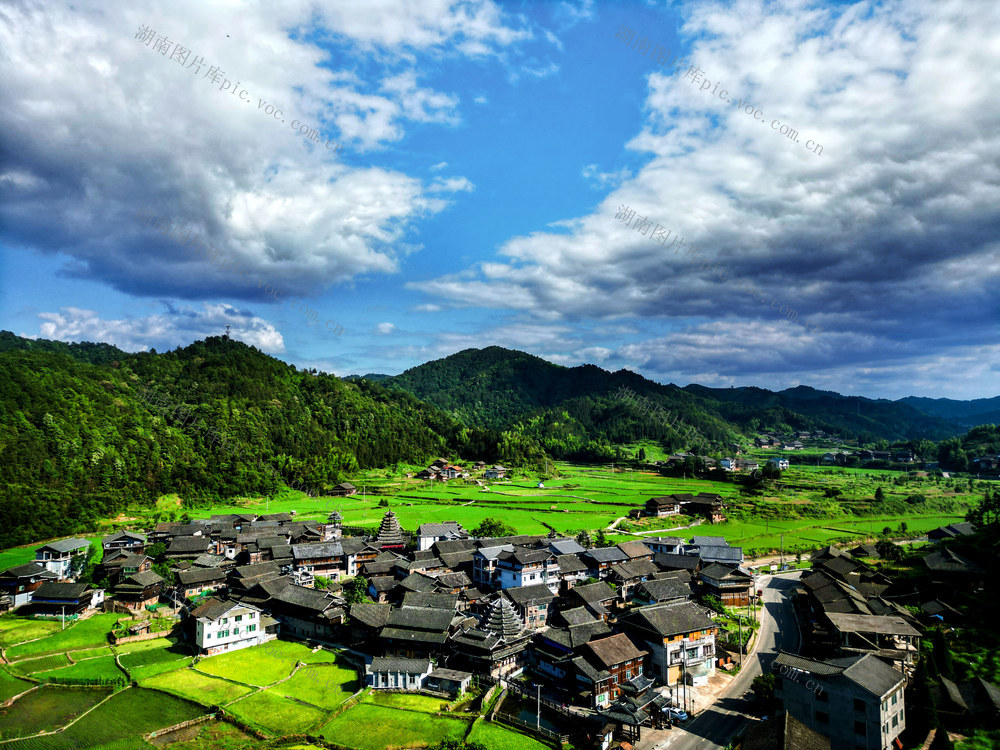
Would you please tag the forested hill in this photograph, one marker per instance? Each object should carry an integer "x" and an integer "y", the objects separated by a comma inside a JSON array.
[
  {"x": 568, "y": 408},
  {"x": 79, "y": 441}
]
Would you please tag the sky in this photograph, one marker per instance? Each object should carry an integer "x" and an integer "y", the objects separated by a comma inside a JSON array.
[{"x": 726, "y": 193}]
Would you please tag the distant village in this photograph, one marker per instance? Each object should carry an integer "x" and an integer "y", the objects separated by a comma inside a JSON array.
[{"x": 621, "y": 635}]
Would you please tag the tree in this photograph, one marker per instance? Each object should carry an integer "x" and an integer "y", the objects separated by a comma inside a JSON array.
[
  {"x": 601, "y": 539},
  {"x": 356, "y": 592},
  {"x": 763, "y": 691},
  {"x": 583, "y": 539},
  {"x": 493, "y": 527},
  {"x": 642, "y": 454},
  {"x": 879, "y": 494},
  {"x": 903, "y": 527},
  {"x": 383, "y": 503},
  {"x": 156, "y": 551},
  {"x": 886, "y": 531},
  {"x": 888, "y": 551}
]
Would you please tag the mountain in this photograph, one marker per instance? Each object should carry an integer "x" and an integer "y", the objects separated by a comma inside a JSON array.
[
  {"x": 570, "y": 408},
  {"x": 966, "y": 413},
  {"x": 83, "y": 436}
]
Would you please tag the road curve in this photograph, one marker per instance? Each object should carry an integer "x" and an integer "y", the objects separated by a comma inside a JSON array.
[{"x": 715, "y": 726}]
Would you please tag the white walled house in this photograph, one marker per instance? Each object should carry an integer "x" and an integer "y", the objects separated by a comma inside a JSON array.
[
  {"x": 222, "y": 626},
  {"x": 65, "y": 557},
  {"x": 781, "y": 463}
]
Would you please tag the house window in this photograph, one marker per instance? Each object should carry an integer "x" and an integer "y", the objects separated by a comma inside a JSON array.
[
  {"x": 859, "y": 705},
  {"x": 895, "y": 720},
  {"x": 859, "y": 727},
  {"x": 239, "y": 618},
  {"x": 894, "y": 699},
  {"x": 821, "y": 696},
  {"x": 822, "y": 717}
]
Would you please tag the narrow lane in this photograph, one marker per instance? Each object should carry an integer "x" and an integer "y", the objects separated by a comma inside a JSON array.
[{"x": 716, "y": 725}]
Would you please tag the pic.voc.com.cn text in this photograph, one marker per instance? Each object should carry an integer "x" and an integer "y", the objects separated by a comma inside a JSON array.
[{"x": 180, "y": 55}]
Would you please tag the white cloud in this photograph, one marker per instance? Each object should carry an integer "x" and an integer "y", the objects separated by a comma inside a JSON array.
[
  {"x": 384, "y": 329},
  {"x": 439, "y": 166},
  {"x": 177, "y": 326}
]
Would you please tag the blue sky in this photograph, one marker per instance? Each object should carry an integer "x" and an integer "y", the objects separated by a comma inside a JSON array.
[{"x": 487, "y": 148}]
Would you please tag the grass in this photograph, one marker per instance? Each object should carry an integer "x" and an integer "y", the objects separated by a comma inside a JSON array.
[
  {"x": 261, "y": 665},
  {"x": 497, "y": 737},
  {"x": 130, "y": 714},
  {"x": 217, "y": 735},
  {"x": 103, "y": 667},
  {"x": 89, "y": 653},
  {"x": 195, "y": 686},
  {"x": 11, "y": 686},
  {"x": 370, "y": 727},
  {"x": 276, "y": 714},
  {"x": 323, "y": 686},
  {"x": 411, "y": 701},
  {"x": 83, "y": 634},
  {"x": 18, "y": 629},
  {"x": 46, "y": 709},
  {"x": 31, "y": 666},
  {"x": 151, "y": 670}
]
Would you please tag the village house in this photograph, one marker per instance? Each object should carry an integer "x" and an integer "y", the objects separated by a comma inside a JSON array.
[
  {"x": 667, "y": 545},
  {"x": 343, "y": 489},
  {"x": 195, "y": 581},
  {"x": 666, "y": 505},
  {"x": 857, "y": 702},
  {"x": 498, "y": 646},
  {"x": 307, "y": 613},
  {"x": 429, "y": 533},
  {"x": 21, "y": 581},
  {"x": 139, "y": 590},
  {"x": 398, "y": 673},
  {"x": 779, "y": 463},
  {"x": 533, "y": 604},
  {"x": 604, "y": 665},
  {"x": 131, "y": 541},
  {"x": 731, "y": 584},
  {"x": 496, "y": 472},
  {"x": 572, "y": 570},
  {"x": 600, "y": 559},
  {"x": 52, "y": 598},
  {"x": 680, "y": 639},
  {"x": 65, "y": 557},
  {"x": 522, "y": 566},
  {"x": 222, "y": 626}
]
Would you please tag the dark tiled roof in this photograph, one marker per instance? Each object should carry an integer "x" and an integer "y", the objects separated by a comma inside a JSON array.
[
  {"x": 676, "y": 562},
  {"x": 201, "y": 575},
  {"x": 671, "y": 619},
  {"x": 595, "y": 592},
  {"x": 502, "y": 620},
  {"x": 60, "y": 591},
  {"x": 27, "y": 570},
  {"x": 399, "y": 664},
  {"x": 634, "y": 549},
  {"x": 571, "y": 564},
  {"x": 614, "y": 650},
  {"x": 666, "y": 589},
  {"x": 874, "y": 675},
  {"x": 946, "y": 561},
  {"x": 372, "y": 615},
  {"x": 606, "y": 555},
  {"x": 525, "y": 595},
  {"x": 421, "y": 618},
  {"x": 66, "y": 545},
  {"x": 431, "y": 599}
]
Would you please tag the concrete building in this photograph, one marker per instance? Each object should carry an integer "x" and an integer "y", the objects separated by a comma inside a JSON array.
[
  {"x": 222, "y": 626},
  {"x": 856, "y": 701}
]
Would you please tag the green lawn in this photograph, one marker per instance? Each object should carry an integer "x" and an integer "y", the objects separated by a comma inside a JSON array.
[
  {"x": 261, "y": 665},
  {"x": 370, "y": 727},
  {"x": 498, "y": 737},
  {"x": 277, "y": 714},
  {"x": 83, "y": 634},
  {"x": 323, "y": 686},
  {"x": 46, "y": 709},
  {"x": 103, "y": 667},
  {"x": 151, "y": 670},
  {"x": 195, "y": 686}
]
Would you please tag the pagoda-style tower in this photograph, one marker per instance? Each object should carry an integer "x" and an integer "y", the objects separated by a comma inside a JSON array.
[
  {"x": 501, "y": 619},
  {"x": 390, "y": 534}
]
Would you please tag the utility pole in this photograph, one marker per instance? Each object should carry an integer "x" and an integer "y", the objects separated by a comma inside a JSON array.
[
  {"x": 63, "y": 618},
  {"x": 740, "y": 620},
  {"x": 782, "y": 565},
  {"x": 538, "y": 714}
]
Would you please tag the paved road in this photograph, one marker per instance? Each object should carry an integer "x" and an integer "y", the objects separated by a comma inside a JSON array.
[{"x": 716, "y": 725}]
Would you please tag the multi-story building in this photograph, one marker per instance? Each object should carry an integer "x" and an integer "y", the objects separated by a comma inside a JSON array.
[
  {"x": 605, "y": 664},
  {"x": 446, "y": 531},
  {"x": 680, "y": 638},
  {"x": 527, "y": 567},
  {"x": 228, "y": 625},
  {"x": 732, "y": 584},
  {"x": 131, "y": 541},
  {"x": 857, "y": 701},
  {"x": 485, "y": 574},
  {"x": 533, "y": 604},
  {"x": 65, "y": 557}
]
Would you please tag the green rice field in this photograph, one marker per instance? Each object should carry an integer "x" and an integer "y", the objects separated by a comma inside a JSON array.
[
  {"x": 276, "y": 714},
  {"x": 187, "y": 683},
  {"x": 47, "y": 708},
  {"x": 262, "y": 665},
  {"x": 371, "y": 727},
  {"x": 499, "y": 737},
  {"x": 323, "y": 686},
  {"x": 101, "y": 667},
  {"x": 82, "y": 634},
  {"x": 11, "y": 686}
]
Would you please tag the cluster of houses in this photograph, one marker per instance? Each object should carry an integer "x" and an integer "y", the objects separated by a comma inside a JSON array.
[
  {"x": 442, "y": 471},
  {"x": 600, "y": 625},
  {"x": 706, "y": 505}
]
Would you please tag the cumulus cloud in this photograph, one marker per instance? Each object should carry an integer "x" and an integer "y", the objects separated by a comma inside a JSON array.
[
  {"x": 188, "y": 132},
  {"x": 384, "y": 329},
  {"x": 175, "y": 326},
  {"x": 887, "y": 239}
]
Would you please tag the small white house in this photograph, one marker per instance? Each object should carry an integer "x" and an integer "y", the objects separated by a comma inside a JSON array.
[
  {"x": 781, "y": 463},
  {"x": 228, "y": 625},
  {"x": 398, "y": 673}
]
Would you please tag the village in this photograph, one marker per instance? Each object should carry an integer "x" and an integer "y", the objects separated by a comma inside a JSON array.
[{"x": 614, "y": 644}]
